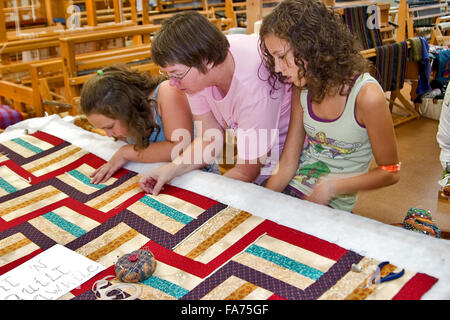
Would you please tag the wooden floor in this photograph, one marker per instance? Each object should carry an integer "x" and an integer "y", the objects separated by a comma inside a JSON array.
[{"x": 418, "y": 185}]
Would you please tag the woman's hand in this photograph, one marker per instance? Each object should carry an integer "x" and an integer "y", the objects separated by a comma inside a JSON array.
[
  {"x": 153, "y": 181},
  {"x": 106, "y": 171}
]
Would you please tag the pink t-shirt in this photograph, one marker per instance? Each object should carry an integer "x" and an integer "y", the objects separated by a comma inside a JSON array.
[{"x": 258, "y": 118}]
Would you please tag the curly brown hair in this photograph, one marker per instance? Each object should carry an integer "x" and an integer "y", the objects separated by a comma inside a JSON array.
[
  {"x": 121, "y": 93},
  {"x": 318, "y": 36}
]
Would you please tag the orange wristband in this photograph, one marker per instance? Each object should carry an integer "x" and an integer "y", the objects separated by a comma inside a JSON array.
[{"x": 391, "y": 168}]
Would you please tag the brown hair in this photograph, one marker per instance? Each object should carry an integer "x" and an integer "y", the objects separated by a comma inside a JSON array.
[
  {"x": 318, "y": 36},
  {"x": 188, "y": 38},
  {"x": 121, "y": 93}
]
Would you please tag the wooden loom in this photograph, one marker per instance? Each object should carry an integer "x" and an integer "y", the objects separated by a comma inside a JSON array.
[
  {"x": 404, "y": 104},
  {"x": 405, "y": 30}
]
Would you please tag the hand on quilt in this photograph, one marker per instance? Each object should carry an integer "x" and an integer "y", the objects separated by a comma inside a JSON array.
[
  {"x": 153, "y": 181},
  {"x": 106, "y": 171}
]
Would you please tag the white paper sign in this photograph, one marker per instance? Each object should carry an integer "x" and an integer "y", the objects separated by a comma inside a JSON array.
[{"x": 48, "y": 276}]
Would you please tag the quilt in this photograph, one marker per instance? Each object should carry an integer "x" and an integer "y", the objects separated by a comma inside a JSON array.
[{"x": 204, "y": 249}]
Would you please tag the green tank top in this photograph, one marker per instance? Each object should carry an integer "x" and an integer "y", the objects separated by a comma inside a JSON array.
[{"x": 338, "y": 147}]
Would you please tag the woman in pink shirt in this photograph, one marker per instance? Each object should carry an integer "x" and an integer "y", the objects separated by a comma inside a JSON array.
[{"x": 227, "y": 89}]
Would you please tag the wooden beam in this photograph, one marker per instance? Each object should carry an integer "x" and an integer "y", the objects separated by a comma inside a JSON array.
[
  {"x": 254, "y": 13},
  {"x": 145, "y": 14},
  {"x": 91, "y": 7},
  {"x": 3, "y": 36},
  {"x": 117, "y": 5},
  {"x": 49, "y": 12}
]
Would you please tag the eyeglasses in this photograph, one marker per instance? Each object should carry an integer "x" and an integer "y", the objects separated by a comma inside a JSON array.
[{"x": 178, "y": 78}]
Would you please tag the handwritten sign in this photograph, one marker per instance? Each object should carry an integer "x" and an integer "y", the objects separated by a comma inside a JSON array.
[{"x": 48, "y": 275}]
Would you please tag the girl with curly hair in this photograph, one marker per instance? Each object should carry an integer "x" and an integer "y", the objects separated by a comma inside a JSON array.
[
  {"x": 339, "y": 116},
  {"x": 140, "y": 109}
]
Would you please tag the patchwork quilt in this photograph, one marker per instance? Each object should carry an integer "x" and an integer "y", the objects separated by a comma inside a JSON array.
[{"x": 204, "y": 249}]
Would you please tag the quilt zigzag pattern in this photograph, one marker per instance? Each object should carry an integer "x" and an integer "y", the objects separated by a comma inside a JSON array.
[{"x": 204, "y": 249}]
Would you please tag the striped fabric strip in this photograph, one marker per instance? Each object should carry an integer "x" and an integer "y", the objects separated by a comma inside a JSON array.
[
  {"x": 241, "y": 292},
  {"x": 8, "y": 116},
  {"x": 85, "y": 179},
  {"x": 13, "y": 247},
  {"x": 274, "y": 270},
  {"x": 55, "y": 159},
  {"x": 27, "y": 145},
  {"x": 219, "y": 234},
  {"x": 115, "y": 196},
  {"x": 166, "y": 210},
  {"x": 178, "y": 204},
  {"x": 391, "y": 65},
  {"x": 165, "y": 286},
  {"x": 5, "y": 185},
  {"x": 356, "y": 18},
  {"x": 31, "y": 201},
  {"x": 401, "y": 59},
  {"x": 64, "y": 224},
  {"x": 285, "y": 262},
  {"x": 113, "y": 245}
]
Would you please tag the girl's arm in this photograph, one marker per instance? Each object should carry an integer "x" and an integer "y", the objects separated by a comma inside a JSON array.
[
  {"x": 178, "y": 129},
  {"x": 287, "y": 166},
  {"x": 199, "y": 153},
  {"x": 373, "y": 112},
  {"x": 244, "y": 170}
]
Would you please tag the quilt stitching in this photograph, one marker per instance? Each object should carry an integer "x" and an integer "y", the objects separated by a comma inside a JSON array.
[{"x": 227, "y": 253}]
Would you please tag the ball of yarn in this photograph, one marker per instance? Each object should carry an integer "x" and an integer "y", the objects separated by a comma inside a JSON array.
[
  {"x": 446, "y": 190},
  {"x": 420, "y": 220},
  {"x": 135, "y": 266}
]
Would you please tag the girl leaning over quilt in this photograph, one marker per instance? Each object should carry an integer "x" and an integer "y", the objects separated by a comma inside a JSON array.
[
  {"x": 141, "y": 109},
  {"x": 341, "y": 120}
]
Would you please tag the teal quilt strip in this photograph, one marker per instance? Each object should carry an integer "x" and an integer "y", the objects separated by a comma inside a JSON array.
[
  {"x": 166, "y": 210},
  {"x": 27, "y": 145},
  {"x": 64, "y": 224},
  {"x": 284, "y": 262},
  {"x": 166, "y": 286},
  {"x": 5, "y": 185},
  {"x": 85, "y": 179}
]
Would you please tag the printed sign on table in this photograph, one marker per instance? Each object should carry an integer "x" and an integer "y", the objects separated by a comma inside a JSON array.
[{"x": 48, "y": 276}]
